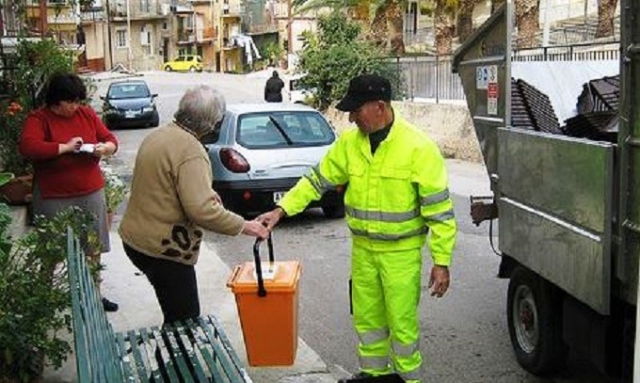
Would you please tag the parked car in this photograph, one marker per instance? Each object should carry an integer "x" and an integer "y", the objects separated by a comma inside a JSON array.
[
  {"x": 130, "y": 104},
  {"x": 298, "y": 93},
  {"x": 191, "y": 63},
  {"x": 262, "y": 150}
]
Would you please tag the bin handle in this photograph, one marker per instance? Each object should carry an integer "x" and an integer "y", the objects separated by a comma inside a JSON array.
[
  {"x": 262, "y": 292},
  {"x": 234, "y": 275}
]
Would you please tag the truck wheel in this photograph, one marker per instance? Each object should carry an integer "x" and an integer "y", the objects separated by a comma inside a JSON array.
[{"x": 534, "y": 315}]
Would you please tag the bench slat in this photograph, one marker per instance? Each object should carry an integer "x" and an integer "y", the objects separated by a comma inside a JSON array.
[
  {"x": 176, "y": 354},
  {"x": 153, "y": 363},
  {"x": 220, "y": 354},
  {"x": 208, "y": 355},
  {"x": 242, "y": 373},
  {"x": 122, "y": 345},
  {"x": 138, "y": 361},
  {"x": 167, "y": 363},
  {"x": 185, "y": 339}
]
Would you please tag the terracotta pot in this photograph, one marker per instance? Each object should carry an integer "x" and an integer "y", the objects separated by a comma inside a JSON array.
[{"x": 18, "y": 191}]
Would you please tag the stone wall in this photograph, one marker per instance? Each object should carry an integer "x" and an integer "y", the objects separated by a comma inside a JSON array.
[{"x": 448, "y": 125}]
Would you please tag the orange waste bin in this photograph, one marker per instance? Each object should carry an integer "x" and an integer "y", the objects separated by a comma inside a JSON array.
[{"x": 267, "y": 299}]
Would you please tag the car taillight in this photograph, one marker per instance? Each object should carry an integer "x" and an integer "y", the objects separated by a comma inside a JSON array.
[{"x": 234, "y": 161}]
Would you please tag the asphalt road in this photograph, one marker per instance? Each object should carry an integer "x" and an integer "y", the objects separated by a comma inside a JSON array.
[{"x": 465, "y": 336}]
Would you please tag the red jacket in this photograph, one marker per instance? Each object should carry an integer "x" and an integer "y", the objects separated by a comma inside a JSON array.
[{"x": 70, "y": 174}]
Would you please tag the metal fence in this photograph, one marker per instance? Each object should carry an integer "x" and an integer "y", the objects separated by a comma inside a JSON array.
[{"x": 429, "y": 77}]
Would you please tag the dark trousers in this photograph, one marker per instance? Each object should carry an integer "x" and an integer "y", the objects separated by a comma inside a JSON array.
[{"x": 175, "y": 285}]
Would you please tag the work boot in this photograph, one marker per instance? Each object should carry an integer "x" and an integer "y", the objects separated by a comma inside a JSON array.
[
  {"x": 355, "y": 377},
  {"x": 109, "y": 306}
]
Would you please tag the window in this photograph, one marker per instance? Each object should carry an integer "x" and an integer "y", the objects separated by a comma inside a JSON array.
[
  {"x": 121, "y": 38},
  {"x": 131, "y": 90},
  {"x": 283, "y": 129},
  {"x": 144, "y": 6},
  {"x": 145, "y": 37}
]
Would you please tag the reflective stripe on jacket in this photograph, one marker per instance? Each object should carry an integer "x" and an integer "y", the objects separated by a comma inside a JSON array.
[{"x": 393, "y": 197}]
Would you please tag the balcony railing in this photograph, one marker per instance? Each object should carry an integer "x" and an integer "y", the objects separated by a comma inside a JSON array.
[
  {"x": 229, "y": 10},
  {"x": 197, "y": 35},
  {"x": 137, "y": 9}
]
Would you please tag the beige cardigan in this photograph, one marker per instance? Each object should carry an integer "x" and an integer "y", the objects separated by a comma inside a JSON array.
[{"x": 172, "y": 198}]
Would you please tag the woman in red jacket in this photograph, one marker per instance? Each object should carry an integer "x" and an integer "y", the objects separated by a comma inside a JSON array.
[{"x": 65, "y": 141}]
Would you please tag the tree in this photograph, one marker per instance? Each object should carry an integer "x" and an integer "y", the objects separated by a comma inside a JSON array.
[
  {"x": 464, "y": 26},
  {"x": 334, "y": 55},
  {"x": 527, "y": 16},
  {"x": 444, "y": 16},
  {"x": 606, "y": 14},
  {"x": 385, "y": 28}
]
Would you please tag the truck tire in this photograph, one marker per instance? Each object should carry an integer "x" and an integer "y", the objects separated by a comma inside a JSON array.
[{"x": 534, "y": 315}]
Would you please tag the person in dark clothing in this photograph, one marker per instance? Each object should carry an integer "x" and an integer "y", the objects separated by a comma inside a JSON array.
[{"x": 273, "y": 88}]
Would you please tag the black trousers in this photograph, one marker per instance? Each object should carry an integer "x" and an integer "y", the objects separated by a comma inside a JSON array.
[{"x": 175, "y": 285}]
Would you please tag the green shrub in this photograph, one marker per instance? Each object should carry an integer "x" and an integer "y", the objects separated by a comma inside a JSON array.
[
  {"x": 335, "y": 55},
  {"x": 34, "y": 309}
]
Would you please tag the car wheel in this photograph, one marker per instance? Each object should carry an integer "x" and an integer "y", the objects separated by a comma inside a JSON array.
[
  {"x": 534, "y": 317},
  {"x": 333, "y": 211},
  {"x": 155, "y": 120},
  {"x": 192, "y": 69},
  {"x": 167, "y": 68}
]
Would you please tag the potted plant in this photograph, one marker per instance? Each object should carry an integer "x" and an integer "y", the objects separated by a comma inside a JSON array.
[
  {"x": 16, "y": 190},
  {"x": 34, "y": 310},
  {"x": 24, "y": 82},
  {"x": 115, "y": 190}
]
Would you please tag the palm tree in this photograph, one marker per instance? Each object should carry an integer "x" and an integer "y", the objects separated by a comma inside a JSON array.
[
  {"x": 606, "y": 13},
  {"x": 464, "y": 25},
  {"x": 527, "y": 15},
  {"x": 394, "y": 12},
  {"x": 386, "y": 27},
  {"x": 443, "y": 21}
]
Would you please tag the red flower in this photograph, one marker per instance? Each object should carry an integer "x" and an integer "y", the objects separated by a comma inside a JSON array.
[{"x": 14, "y": 108}]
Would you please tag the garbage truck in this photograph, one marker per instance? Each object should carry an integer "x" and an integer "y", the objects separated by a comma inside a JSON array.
[{"x": 561, "y": 145}]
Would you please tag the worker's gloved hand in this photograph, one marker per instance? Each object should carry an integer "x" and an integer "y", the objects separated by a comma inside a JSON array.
[
  {"x": 439, "y": 281},
  {"x": 270, "y": 219}
]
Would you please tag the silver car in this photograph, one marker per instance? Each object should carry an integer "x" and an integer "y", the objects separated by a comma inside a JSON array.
[{"x": 262, "y": 150}]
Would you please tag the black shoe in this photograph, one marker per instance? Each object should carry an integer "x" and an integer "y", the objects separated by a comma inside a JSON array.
[
  {"x": 355, "y": 377},
  {"x": 109, "y": 306}
]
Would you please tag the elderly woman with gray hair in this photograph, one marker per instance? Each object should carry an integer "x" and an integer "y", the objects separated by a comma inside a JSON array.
[{"x": 172, "y": 202}]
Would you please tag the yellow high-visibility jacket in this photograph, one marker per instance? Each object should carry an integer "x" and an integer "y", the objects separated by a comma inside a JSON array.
[{"x": 393, "y": 198}]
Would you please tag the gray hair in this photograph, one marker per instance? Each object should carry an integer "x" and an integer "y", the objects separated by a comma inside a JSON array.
[{"x": 200, "y": 109}]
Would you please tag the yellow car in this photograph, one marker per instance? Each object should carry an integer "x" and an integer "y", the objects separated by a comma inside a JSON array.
[{"x": 191, "y": 63}]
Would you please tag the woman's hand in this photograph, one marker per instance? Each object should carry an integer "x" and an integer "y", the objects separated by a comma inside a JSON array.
[
  {"x": 255, "y": 229},
  {"x": 104, "y": 149},
  {"x": 71, "y": 146}
]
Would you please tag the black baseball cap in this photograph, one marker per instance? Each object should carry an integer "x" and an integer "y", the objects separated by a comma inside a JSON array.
[{"x": 365, "y": 88}]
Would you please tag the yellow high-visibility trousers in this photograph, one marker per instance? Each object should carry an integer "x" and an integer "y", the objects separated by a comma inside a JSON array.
[{"x": 385, "y": 295}]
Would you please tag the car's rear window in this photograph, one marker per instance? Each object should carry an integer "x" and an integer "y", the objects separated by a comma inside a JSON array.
[
  {"x": 283, "y": 129},
  {"x": 128, "y": 91}
]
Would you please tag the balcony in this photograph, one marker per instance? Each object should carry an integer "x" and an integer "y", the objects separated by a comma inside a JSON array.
[
  {"x": 95, "y": 13},
  {"x": 262, "y": 28},
  {"x": 61, "y": 19},
  {"x": 138, "y": 11},
  {"x": 198, "y": 36},
  {"x": 231, "y": 10}
]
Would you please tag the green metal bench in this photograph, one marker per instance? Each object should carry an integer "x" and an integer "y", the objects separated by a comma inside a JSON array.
[{"x": 193, "y": 351}]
